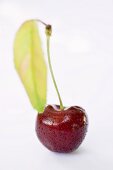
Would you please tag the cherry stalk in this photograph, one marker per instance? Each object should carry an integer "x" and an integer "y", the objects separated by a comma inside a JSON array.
[
  {"x": 48, "y": 34},
  {"x": 48, "y": 31}
]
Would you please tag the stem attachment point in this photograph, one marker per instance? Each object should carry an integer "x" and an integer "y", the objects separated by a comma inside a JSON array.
[{"x": 48, "y": 30}]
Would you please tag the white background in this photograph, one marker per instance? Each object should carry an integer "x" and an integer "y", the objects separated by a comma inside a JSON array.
[{"x": 82, "y": 57}]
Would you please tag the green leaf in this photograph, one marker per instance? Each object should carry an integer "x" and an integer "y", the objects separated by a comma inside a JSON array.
[{"x": 30, "y": 64}]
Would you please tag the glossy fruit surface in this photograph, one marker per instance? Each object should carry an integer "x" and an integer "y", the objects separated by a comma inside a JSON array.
[{"x": 62, "y": 130}]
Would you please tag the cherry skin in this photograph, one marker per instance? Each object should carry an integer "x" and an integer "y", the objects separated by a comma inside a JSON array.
[{"x": 61, "y": 130}]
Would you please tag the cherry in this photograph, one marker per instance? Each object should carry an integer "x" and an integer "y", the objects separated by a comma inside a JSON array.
[{"x": 61, "y": 130}]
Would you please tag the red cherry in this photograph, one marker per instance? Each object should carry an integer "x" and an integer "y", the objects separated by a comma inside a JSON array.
[{"x": 62, "y": 130}]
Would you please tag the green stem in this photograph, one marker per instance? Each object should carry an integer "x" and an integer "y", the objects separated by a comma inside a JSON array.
[{"x": 48, "y": 34}]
